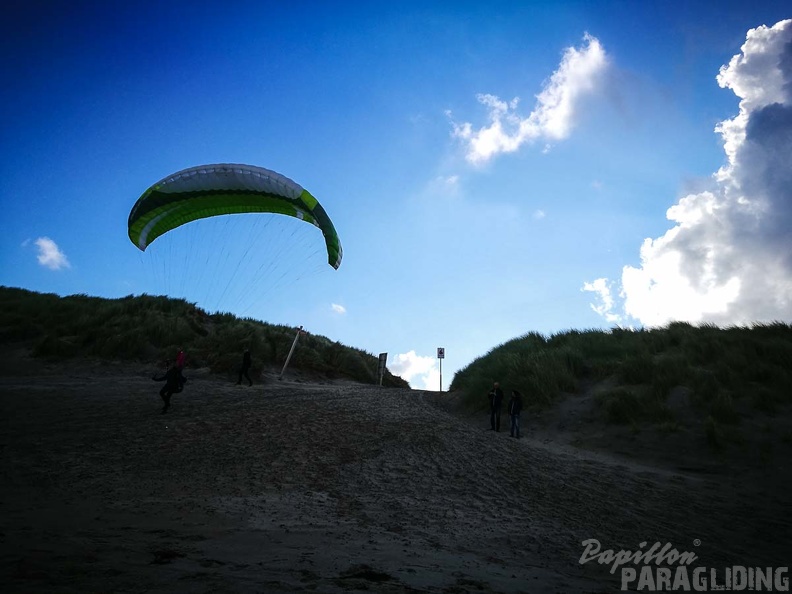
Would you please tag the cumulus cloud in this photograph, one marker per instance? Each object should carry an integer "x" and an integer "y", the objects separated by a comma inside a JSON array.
[
  {"x": 603, "y": 289},
  {"x": 49, "y": 254},
  {"x": 554, "y": 115},
  {"x": 420, "y": 372},
  {"x": 728, "y": 258},
  {"x": 339, "y": 309}
]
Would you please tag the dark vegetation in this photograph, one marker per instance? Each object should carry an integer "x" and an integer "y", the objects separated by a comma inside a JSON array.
[
  {"x": 151, "y": 329},
  {"x": 723, "y": 375},
  {"x": 713, "y": 380}
]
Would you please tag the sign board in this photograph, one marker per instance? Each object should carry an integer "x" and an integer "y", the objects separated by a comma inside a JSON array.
[
  {"x": 440, "y": 353},
  {"x": 383, "y": 361}
]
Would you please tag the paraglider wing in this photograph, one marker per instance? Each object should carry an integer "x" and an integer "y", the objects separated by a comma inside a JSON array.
[{"x": 223, "y": 189}]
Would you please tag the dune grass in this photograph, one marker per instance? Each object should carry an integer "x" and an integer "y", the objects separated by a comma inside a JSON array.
[
  {"x": 723, "y": 371},
  {"x": 152, "y": 329}
]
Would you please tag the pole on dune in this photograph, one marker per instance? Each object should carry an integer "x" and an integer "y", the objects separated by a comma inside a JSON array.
[
  {"x": 291, "y": 351},
  {"x": 383, "y": 362},
  {"x": 441, "y": 356}
]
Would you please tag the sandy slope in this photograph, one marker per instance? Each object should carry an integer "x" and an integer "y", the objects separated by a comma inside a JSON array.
[{"x": 288, "y": 487}]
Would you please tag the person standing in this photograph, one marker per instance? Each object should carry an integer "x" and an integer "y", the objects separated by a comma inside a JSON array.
[
  {"x": 245, "y": 367},
  {"x": 181, "y": 359},
  {"x": 496, "y": 398},
  {"x": 515, "y": 406}
]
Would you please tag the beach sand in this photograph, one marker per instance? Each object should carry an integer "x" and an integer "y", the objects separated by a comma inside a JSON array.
[{"x": 310, "y": 485}]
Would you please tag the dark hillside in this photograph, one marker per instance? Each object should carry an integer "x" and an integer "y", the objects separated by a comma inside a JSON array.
[
  {"x": 151, "y": 329},
  {"x": 674, "y": 393}
]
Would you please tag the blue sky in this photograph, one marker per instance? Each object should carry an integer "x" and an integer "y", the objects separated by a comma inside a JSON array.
[{"x": 491, "y": 168}]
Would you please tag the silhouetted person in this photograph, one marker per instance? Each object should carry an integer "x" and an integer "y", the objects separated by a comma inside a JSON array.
[
  {"x": 495, "y": 398},
  {"x": 174, "y": 383},
  {"x": 245, "y": 367},
  {"x": 515, "y": 406},
  {"x": 181, "y": 359}
]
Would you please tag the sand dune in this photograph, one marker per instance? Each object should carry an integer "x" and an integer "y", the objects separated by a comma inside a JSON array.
[{"x": 328, "y": 487}]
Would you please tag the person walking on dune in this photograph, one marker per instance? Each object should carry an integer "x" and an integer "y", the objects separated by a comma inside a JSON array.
[
  {"x": 515, "y": 406},
  {"x": 495, "y": 398},
  {"x": 174, "y": 383},
  {"x": 245, "y": 367}
]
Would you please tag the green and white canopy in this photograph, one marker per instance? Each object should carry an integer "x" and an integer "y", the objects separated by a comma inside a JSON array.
[{"x": 224, "y": 189}]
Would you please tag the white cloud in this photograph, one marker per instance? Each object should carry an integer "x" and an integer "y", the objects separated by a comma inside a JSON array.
[
  {"x": 443, "y": 185},
  {"x": 539, "y": 214},
  {"x": 555, "y": 112},
  {"x": 420, "y": 372},
  {"x": 602, "y": 288},
  {"x": 339, "y": 309},
  {"x": 728, "y": 259},
  {"x": 49, "y": 254}
]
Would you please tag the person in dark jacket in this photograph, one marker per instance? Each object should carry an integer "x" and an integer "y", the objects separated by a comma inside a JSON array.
[
  {"x": 245, "y": 367},
  {"x": 181, "y": 359},
  {"x": 174, "y": 383},
  {"x": 515, "y": 406},
  {"x": 495, "y": 398}
]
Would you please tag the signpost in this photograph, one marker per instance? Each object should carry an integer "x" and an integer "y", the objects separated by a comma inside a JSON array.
[
  {"x": 383, "y": 360},
  {"x": 441, "y": 356}
]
